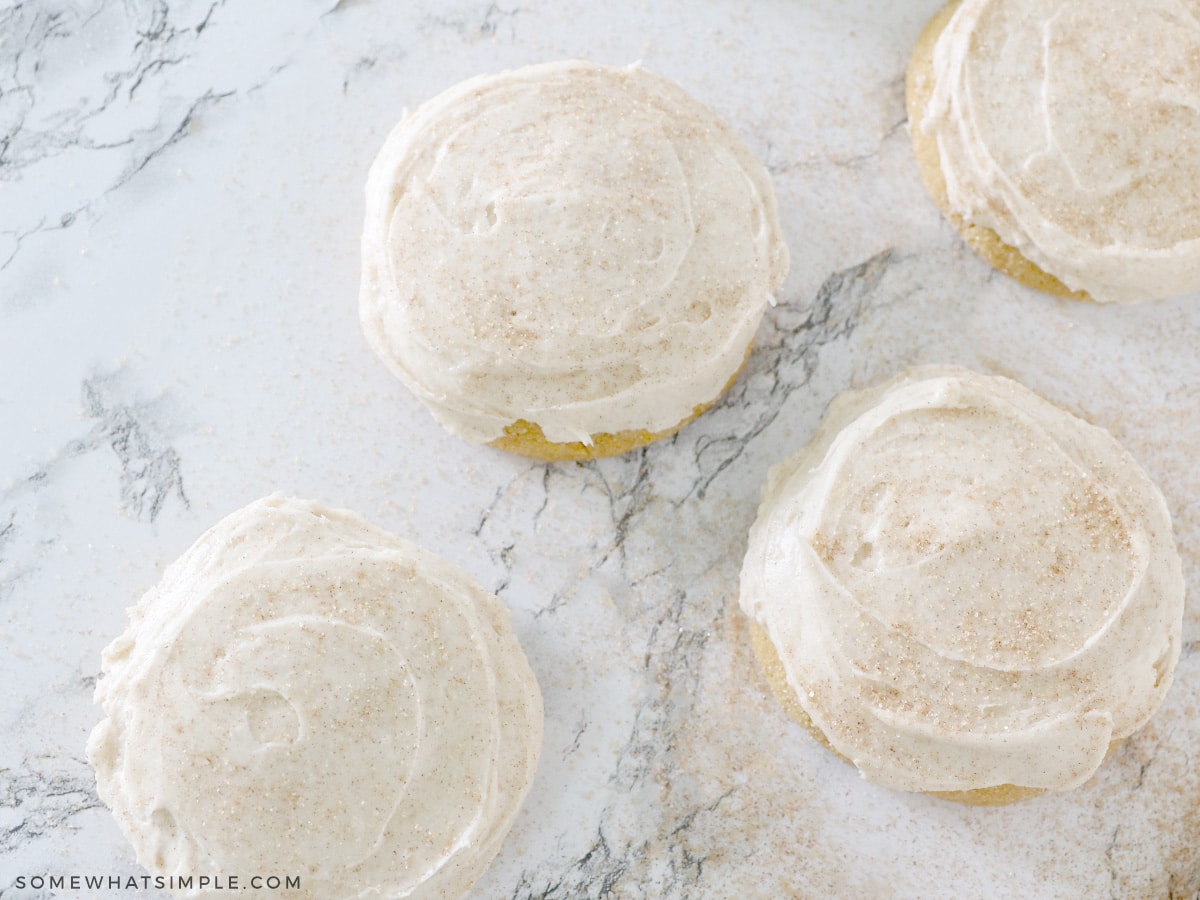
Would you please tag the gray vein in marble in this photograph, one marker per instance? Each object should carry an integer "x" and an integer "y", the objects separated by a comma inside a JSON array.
[
  {"x": 151, "y": 470},
  {"x": 895, "y": 111},
  {"x": 7, "y": 532},
  {"x": 675, "y": 623},
  {"x": 679, "y": 628},
  {"x": 579, "y": 732},
  {"x": 478, "y": 23},
  {"x": 488, "y": 510},
  {"x": 11, "y": 571},
  {"x": 682, "y": 627},
  {"x": 125, "y": 118},
  {"x": 626, "y": 482},
  {"x": 46, "y": 794},
  {"x": 1112, "y": 871},
  {"x": 786, "y": 357},
  {"x": 895, "y": 121},
  {"x": 610, "y": 868},
  {"x": 595, "y": 874},
  {"x": 209, "y": 98},
  {"x": 505, "y": 560},
  {"x": 537, "y": 514},
  {"x": 362, "y": 65},
  {"x": 136, "y": 431},
  {"x": 557, "y": 600},
  {"x": 673, "y": 628}
]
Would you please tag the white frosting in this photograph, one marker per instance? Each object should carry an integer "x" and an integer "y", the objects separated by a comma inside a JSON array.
[
  {"x": 1072, "y": 129},
  {"x": 306, "y": 694},
  {"x": 579, "y": 246},
  {"x": 967, "y": 586}
]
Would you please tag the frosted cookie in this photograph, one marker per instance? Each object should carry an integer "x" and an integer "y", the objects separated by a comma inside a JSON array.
[
  {"x": 1062, "y": 139},
  {"x": 304, "y": 694},
  {"x": 567, "y": 260},
  {"x": 963, "y": 589}
]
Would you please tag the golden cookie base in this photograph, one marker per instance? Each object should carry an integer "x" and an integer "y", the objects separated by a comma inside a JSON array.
[
  {"x": 982, "y": 240},
  {"x": 526, "y": 438},
  {"x": 768, "y": 659}
]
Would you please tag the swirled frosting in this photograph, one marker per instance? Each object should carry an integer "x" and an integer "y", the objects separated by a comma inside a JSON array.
[
  {"x": 1072, "y": 129},
  {"x": 967, "y": 586},
  {"x": 583, "y": 247},
  {"x": 306, "y": 694}
]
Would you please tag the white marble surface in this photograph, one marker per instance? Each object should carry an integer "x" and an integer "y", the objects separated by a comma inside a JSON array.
[{"x": 180, "y": 202}]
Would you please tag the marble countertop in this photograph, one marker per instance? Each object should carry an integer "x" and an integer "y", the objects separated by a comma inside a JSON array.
[{"x": 180, "y": 204}]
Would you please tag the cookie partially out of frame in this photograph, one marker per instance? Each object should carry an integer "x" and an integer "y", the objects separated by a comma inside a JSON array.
[
  {"x": 979, "y": 238},
  {"x": 1059, "y": 137}
]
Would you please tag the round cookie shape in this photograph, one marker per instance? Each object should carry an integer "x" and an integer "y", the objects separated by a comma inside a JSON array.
[
  {"x": 964, "y": 589},
  {"x": 1063, "y": 140},
  {"x": 305, "y": 694},
  {"x": 567, "y": 260}
]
